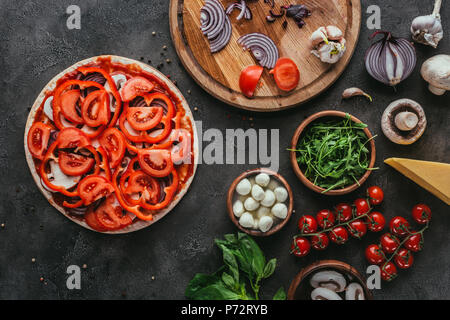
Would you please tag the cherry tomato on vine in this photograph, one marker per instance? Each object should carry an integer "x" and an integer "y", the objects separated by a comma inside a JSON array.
[
  {"x": 404, "y": 259},
  {"x": 376, "y": 221},
  {"x": 338, "y": 235},
  {"x": 343, "y": 212},
  {"x": 325, "y": 219},
  {"x": 362, "y": 207},
  {"x": 389, "y": 243},
  {"x": 388, "y": 271},
  {"x": 399, "y": 226},
  {"x": 320, "y": 242},
  {"x": 414, "y": 242},
  {"x": 421, "y": 213},
  {"x": 307, "y": 224},
  {"x": 375, "y": 195},
  {"x": 300, "y": 247},
  {"x": 357, "y": 229},
  {"x": 374, "y": 254}
]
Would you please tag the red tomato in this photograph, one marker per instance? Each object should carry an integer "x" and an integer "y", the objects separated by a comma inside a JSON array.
[
  {"x": 113, "y": 141},
  {"x": 375, "y": 195},
  {"x": 307, "y": 224},
  {"x": 362, "y": 207},
  {"x": 249, "y": 80},
  {"x": 325, "y": 219},
  {"x": 389, "y": 243},
  {"x": 343, "y": 212},
  {"x": 93, "y": 188},
  {"x": 421, "y": 213},
  {"x": 74, "y": 164},
  {"x": 300, "y": 247},
  {"x": 414, "y": 242},
  {"x": 320, "y": 242},
  {"x": 286, "y": 74},
  {"x": 157, "y": 163},
  {"x": 68, "y": 102},
  {"x": 91, "y": 219},
  {"x": 404, "y": 259},
  {"x": 95, "y": 110},
  {"x": 338, "y": 235},
  {"x": 376, "y": 222},
  {"x": 72, "y": 138},
  {"x": 110, "y": 215},
  {"x": 140, "y": 182},
  {"x": 374, "y": 254},
  {"x": 357, "y": 229},
  {"x": 388, "y": 271},
  {"x": 399, "y": 226},
  {"x": 135, "y": 87},
  {"x": 144, "y": 118},
  {"x": 38, "y": 138}
]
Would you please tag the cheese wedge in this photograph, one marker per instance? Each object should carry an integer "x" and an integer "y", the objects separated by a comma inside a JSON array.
[{"x": 432, "y": 176}]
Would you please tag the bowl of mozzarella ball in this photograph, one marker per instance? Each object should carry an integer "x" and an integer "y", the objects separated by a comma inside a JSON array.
[{"x": 260, "y": 202}]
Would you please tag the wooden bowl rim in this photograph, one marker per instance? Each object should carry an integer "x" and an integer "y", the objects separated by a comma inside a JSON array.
[
  {"x": 300, "y": 129},
  {"x": 232, "y": 190},
  {"x": 327, "y": 264}
]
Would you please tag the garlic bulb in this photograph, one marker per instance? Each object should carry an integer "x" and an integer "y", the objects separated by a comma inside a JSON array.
[
  {"x": 328, "y": 44},
  {"x": 428, "y": 29}
]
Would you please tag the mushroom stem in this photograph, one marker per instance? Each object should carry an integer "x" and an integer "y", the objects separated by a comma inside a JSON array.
[
  {"x": 406, "y": 121},
  {"x": 437, "y": 8}
]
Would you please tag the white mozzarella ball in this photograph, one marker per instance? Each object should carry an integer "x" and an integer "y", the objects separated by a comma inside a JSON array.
[
  {"x": 244, "y": 187},
  {"x": 255, "y": 224},
  {"x": 257, "y": 192},
  {"x": 281, "y": 194},
  {"x": 246, "y": 220},
  {"x": 280, "y": 210},
  {"x": 265, "y": 223},
  {"x": 262, "y": 212},
  {"x": 269, "y": 199},
  {"x": 238, "y": 208},
  {"x": 262, "y": 179},
  {"x": 251, "y": 204}
]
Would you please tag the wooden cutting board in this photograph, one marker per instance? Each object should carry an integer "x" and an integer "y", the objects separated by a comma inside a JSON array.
[{"x": 219, "y": 73}]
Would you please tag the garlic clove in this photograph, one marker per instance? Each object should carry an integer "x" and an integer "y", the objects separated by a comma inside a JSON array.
[{"x": 427, "y": 30}]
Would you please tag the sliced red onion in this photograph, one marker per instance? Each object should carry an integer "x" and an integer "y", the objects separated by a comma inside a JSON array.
[
  {"x": 223, "y": 38},
  {"x": 262, "y": 47},
  {"x": 243, "y": 8},
  {"x": 212, "y": 17},
  {"x": 390, "y": 60}
]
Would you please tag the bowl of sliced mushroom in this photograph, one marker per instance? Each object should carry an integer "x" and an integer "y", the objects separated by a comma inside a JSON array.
[
  {"x": 329, "y": 280},
  {"x": 260, "y": 202}
]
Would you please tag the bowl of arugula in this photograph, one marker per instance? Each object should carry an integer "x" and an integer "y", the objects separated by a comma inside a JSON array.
[{"x": 332, "y": 152}]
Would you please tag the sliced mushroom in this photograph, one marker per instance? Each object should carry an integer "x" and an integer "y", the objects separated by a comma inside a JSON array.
[
  {"x": 48, "y": 108},
  {"x": 436, "y": 71},
  {"x": 329, "y": 279},
  {"x": 324, "y": 294},
  {"x": 404, "y": 121},
  {"x": 59, "y": 179},
  {"x": 354, "y": 291}
]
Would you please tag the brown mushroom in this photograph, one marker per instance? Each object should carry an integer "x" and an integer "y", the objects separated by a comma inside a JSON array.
[{"x": 403, "y": 121}]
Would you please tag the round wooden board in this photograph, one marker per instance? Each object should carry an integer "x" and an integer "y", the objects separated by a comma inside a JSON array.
[{"x": 219, "y": 73}]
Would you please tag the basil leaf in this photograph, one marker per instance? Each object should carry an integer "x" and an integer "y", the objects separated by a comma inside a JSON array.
[
  {"x": 280, "y": 295},
  {"x": 228, "y": 280},
  {"x": 231, "y": 262},
  {"x": 269, "y": 269}
]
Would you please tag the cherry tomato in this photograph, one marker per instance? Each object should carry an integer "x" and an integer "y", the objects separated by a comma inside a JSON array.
[
  {"x": 74, "y": 164},
  {"x": 375, "y": 195},
  {"x": 376, "y": 222},
  {"x": 286, "y": 74},
  {"x": 320, "y": 242},
  {"x": 343, "y": 212},
  {"x": 388, "y": 271},
  {"x": 374, "y": 254},
  {"x": 414, "y": 242},
  {"x": 307, "y": 224},
  {"x": 135, "y": 87},
  {"x": 113, "y": 141},
  {"x": 93, "y": 188},
  {"x": 157, "y": 163},
  {"x": 325, "y": 219},
  {"x": 338, "y": 235},
  {"x": 300, "y": 247},
  {"x": 249, "y": 80},
  {"x": 144, "y": 118},
  {"x": 421, "y": 213},
  {"x": 389, "y": 243},
  {"x": 399, "y": 226},
  {"x": 38, "y": 138},
  {"x": 362, "y": 207},
  {"x": 404, "y": 259},
  {"x": 95, "y": 110},
  {"x": 357, "y": 229},
  {"x": 68, "y": 102}
]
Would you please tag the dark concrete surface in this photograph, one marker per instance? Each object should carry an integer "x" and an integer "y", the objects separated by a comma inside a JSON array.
[{"x": 35, "y": 45}]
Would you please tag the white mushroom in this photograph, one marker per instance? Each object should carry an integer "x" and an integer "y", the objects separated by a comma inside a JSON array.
[
  {"x": 354, "y": 291},
  {"x": 251, "y": 204},
  {"x": 280, "y": 210},
  {"x": 262, "y": 212},
  {"x": 246, "y": 220},
  {"x": 244, "y": 187},
  {"x": 262, "y": 179},
  {"x": 436, "y": 71},
  {"x": 59, "y": 179},
  {"x": 324, "y": 294},
  {"x": 48, "y": 108},
  {"x": 329, "y": 279},
  {"x": 328, "y": 44},
  {"x": 119, "y": 80},
  {"x": 269, "y": 199},
  {"x": 238, "y": 208},
  {"x": 265, "y": 223},
  {"x": 257, "y": 192},
  {"x": 281, "y": 194}
]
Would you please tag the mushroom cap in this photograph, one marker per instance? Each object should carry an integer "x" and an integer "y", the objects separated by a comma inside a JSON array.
[
  {"x": 436, "y": 71},
  {"x": 388, "y": 122}
]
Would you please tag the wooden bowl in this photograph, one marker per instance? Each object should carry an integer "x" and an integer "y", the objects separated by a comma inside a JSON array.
[
  {"x": 298, "y": 171},
  {"x": 300, "y": 289},
  {"x": 275, "y": 227}
]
